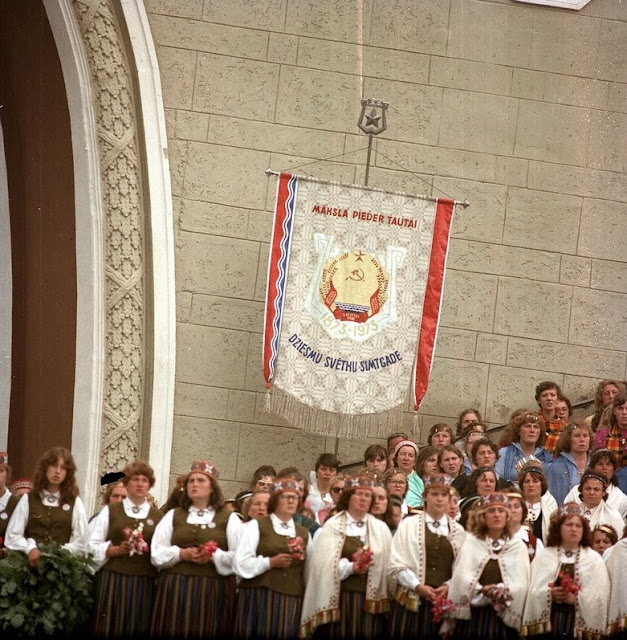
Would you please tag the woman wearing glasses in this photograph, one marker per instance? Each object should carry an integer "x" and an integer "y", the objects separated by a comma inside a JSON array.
[
  {"x": 271, "y": 560},
  {"x": 336, "y": 488},
  {"x": 346, "y": 595}
]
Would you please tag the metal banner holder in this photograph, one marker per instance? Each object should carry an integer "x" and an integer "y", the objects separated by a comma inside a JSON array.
[{"x": 372, "y": 121}]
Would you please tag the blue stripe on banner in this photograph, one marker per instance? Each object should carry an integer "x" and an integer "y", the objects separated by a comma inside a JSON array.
[{"x": 282, "y": 267}]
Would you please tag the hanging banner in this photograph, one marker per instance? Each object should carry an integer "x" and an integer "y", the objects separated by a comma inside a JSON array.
[{"x": 353, "y": 299}]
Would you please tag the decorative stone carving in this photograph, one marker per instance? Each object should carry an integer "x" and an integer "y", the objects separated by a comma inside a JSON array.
[{"x": 115, "y": 111}]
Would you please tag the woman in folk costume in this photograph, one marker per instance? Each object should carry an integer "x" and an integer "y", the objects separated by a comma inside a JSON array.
[
  {"x": 51, "y": 511},
  {"x": 520, "y": 528},
  {"x": 271, "y": 560},
  {"x": 8, "y": 500},
  {"x": 421, "y": 562},
  {"x": 616, "y": 562},
  {"x": 490, "y": 577},
  {"x": 593, "y": 494},
  {"x": 346, "y": 594},
  {"x": 569, "y": 586},
  {"x": 192, "y": 546},
  {"x": 125, "y": 584},
  {"x": 540, "y": 503}
]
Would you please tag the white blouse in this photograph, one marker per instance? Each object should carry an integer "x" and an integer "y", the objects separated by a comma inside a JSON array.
[
  {"x": 164, "y": 554},
  {"x": 14, "y": 537}
]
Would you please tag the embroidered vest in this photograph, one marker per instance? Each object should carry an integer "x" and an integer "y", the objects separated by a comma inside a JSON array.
[
  {"x": 136, "y": 565},
  {"x": 288, "y": 581},
  {"x": 193, "y": 535}
]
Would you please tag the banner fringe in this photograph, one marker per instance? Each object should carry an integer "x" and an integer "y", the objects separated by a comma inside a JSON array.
[{"x": 328, "y": 423}]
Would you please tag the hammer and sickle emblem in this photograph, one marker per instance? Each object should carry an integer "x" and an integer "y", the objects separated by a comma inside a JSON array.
[{"x": 357, "y": 275}]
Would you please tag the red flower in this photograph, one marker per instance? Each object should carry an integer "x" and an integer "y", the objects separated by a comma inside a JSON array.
[
  {"x": 441, "y": 607},
  {"x": 564, "y": 580},
  {"x": 362, "y": 558},
  {"x": 209, "y": 548},
  {"x": 135, "y": 538}
]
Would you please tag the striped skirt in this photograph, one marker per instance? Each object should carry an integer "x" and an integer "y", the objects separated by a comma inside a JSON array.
[
  {"x": 484, "y": 624},
  {"x": 123, "y": 604},
  {"x": 562, "y": 621},
  {"x": 193, "y": 606},
  {"x": 263, "y": 613},
  {"x": 354, "y": 622},
  {"x": 413, "y": 624}
]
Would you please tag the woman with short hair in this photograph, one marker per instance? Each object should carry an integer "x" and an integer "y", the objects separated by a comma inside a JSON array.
[
  {"x": 440, "y": 434},
  {"x": 423, "y": 551},
  {"x": 593, "y": 495},
  {"x": 271, "y": 562},
  {"x": 573, "y": 449},
  {"x": 405, "y": 454},
  {"x": 125, "y": 577},
  {"x": 569, "y": 586}
]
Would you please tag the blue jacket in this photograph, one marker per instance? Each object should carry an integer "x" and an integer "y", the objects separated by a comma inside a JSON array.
[
  {"x": 562, "y": 476},
  {"x": 508, "y": 457}
]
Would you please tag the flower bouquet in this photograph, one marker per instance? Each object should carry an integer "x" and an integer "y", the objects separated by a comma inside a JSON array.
[
  {"x": 362, "y": 558},
  {"x": 297, "y": 550},
  {"x": 501, "y": 598},
  {"x": 441, "y": 608},
  {"x": 564, "y": 580},
  {"x": 135, "y": 538},
  {"x": 209, "y": 548}
]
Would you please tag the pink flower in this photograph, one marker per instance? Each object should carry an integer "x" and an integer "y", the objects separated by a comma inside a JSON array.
[
  {"x": 441, "y": 608},
  {"x": 297, "y": 550},
  {"x": 209, "y": 548},
  {"x": 362, "y": 558},
  {"x": 136, "y": 541}
]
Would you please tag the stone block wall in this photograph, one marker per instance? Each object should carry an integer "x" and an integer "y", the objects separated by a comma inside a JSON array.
[{"x": 519, "y": 108}]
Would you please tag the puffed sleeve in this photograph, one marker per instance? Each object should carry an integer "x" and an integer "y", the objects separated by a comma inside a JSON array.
[
  {"x": 163, "y": 554},
  {"x": 223, "y": 560},
  {"x": 14, "y": 536},
  {"x": 98, "y": 543},
  {"x": 247, "y": 564},
  {"x": 79, "y": 537}
]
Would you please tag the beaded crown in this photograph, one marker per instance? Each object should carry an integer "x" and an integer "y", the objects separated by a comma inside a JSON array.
[{"x": 202, "y": 466}]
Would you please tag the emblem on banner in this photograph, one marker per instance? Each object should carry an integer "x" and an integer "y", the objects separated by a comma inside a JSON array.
[
  {"x": 354, "y": 286},
  {"x": 352, "y": 293}
]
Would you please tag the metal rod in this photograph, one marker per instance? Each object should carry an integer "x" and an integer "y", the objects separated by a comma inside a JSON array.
[
  {"x": 272, "y": 172},
  {"x": 370, "y": 136}
]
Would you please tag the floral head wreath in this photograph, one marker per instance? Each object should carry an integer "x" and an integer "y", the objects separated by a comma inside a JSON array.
[
  {"x": 4, "y": 457},
  {"x": 493, "y": 499},
  {"x": 437, "y": 481},
  {"x": 202, "y": 466},
  {"x": 405, "y": 443},
  {"x": 282, "y": 485},
  {"x": 597, "y": 476},
  {"x": 359, "y": 482},
  {"x": 529, "y": 464},
  {"x": 571, "y": 509}
]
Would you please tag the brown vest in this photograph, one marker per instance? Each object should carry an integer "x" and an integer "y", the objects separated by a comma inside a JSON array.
[
  {"x": 136, "y": 565},
  {"x": 440, "y": 558},
  {"x": 193, "y": 535},
  {"x": 357, "y": 581},
  {"x": 288, "y": 581},
  {"x": 6, "y": 515},
  {"x": 491, "y": 573},
  {"x": 48, "y": 523}
]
